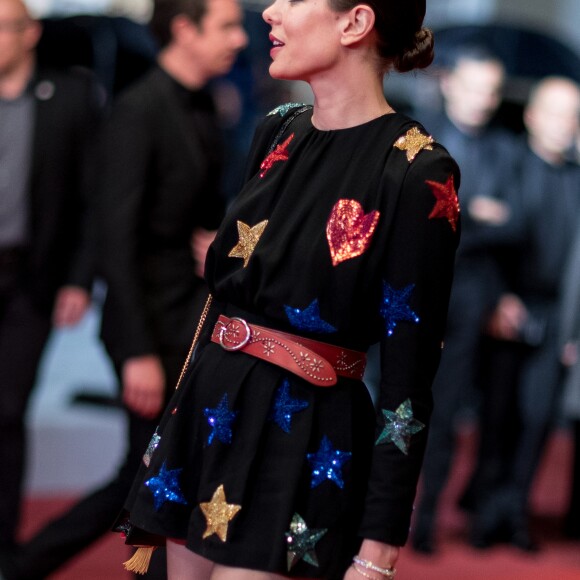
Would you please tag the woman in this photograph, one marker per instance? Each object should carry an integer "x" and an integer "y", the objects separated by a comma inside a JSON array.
[{"x": 271, "y": 461}]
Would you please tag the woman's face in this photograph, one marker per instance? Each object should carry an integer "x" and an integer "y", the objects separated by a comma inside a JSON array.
[{"x": 305, "y": 38}]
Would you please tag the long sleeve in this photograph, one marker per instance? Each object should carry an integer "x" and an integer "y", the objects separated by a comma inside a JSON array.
[
  {"x": 417, "y": 276},
  {"x": 83, "y": 262},
  {"x": 126, "y": 154}
]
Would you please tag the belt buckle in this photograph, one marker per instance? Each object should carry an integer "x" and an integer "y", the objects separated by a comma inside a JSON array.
[{"x": 235, "y": 331}]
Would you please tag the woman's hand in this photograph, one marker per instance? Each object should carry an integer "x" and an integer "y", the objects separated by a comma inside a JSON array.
[{"x": 380, "y": 554}]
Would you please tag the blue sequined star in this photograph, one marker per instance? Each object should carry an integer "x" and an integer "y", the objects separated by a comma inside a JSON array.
[
  {"x": 395, "y": 307},
  {"x": 400, "y": 426},
  {"x": 165, "y": 487},
  {"x": 301, "y": 542},
  {"x": 308, "y": 319},
  {"x": 327, "y": 463},
  {"x": 285, "y": 406},
  {"x": 220, "y": 420},
  {"x": 283, "y": 109}
]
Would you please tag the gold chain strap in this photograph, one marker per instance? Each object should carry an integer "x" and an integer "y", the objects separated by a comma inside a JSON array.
[{"x": 195, "y": 338}]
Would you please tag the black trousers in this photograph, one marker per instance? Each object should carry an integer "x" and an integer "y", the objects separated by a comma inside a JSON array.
[
  {"x": 454, "y": 389},
  {"x": 24, "y": 331},
  {"x": 520, "y": 402},
  {"x": 94, "y": 515}
]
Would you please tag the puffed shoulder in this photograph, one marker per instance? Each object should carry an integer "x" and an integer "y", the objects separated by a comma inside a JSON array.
[
  {"x": 434, "y": 162},
  {"x": 432, "y": 184}
]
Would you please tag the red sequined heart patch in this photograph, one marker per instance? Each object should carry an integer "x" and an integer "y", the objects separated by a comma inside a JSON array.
[{"x": 349, "y": 230}]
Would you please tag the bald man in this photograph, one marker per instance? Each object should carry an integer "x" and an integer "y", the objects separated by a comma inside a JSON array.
[
  {"x": 520, "y": 399},
  {"x": 46, "y": 120}
]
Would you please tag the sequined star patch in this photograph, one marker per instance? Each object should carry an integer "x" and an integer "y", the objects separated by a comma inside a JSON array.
[
  {"x": 218, "y": 514},
  {"x": 153, "y": 444},
  {"x": 400, "y": 426},
  {"x": 301, "y": 542},
  {"x": 165, "y": 487},
  {"x": 349, "y": 230},
  {"x": 447, "y": 204},
  {"x": 279, "y": 154},
  {"x": 395, "y": 307},
  {"x": 413, "y": 142},
  {"x": 248, "y": 240},
  {"x": 308, "y": 319},
  {"x": 283, "y": 109},
  {"x": 327, "y": 464},
  {"x": 285, "y": 406},
  {"x": 220, "y": 420}
]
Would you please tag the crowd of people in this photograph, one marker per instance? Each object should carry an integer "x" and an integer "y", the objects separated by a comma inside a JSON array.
[
  {"x": 504, "y": 357},
  {"x": 132, "y": 193}
]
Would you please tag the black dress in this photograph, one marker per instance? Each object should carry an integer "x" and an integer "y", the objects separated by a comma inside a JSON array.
[{"x": 346, "y": 237}]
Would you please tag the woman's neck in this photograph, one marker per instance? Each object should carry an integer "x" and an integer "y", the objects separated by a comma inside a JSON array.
[{"x": 348, "y": 103}]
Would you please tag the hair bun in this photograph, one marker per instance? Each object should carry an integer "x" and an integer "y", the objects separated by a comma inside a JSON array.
[{"x": 417, "y": 55}]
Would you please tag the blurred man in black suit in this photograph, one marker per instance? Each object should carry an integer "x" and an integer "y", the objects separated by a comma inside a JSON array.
[
  {"x": 520, "y": 399},
  {"x": 47, "y": 120},
  {"x": 471, "y": 88}
]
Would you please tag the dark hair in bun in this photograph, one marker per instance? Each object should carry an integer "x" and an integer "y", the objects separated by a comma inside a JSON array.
[{"x": 403, "y": 42}]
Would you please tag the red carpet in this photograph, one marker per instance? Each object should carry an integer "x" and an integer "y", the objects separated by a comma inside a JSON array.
[{"x": 559, "y": 559}]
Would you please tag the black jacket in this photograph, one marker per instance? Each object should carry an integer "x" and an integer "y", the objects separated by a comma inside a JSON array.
[
  {"x": 159, "y": 179},
  {"x": 59, "y": 250}
]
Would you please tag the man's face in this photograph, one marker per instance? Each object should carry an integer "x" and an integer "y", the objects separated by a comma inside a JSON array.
[
  {"x": 18, "y": 35},
  {"x": 552, "y": 117},
  {"x": 472, "y": 92},
  {"x": 216, "y": 42}
]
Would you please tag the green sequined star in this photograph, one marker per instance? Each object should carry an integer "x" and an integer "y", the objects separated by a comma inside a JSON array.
[
  {"x": 400, "y": 426},
  {"x": 301, "y": 542},
  {"x": 283, "y": 109}
]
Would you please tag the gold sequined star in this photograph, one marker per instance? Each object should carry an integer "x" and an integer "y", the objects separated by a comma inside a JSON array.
[
  {"x": 447, "y": 204},
  {"x": 248, "y": 239},
  {"x": 218, "y": 514},
  {"x": 413, "y": 142}
]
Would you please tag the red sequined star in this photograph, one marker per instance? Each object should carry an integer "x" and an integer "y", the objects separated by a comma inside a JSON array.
[
  {"x": 279, "y": 154},
  {"x": 447, "y": 204}
]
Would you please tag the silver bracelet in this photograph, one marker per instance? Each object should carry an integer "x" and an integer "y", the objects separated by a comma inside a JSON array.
[
  {"x": 387, "y": 572},
  {"x": 364, "y": 574}
]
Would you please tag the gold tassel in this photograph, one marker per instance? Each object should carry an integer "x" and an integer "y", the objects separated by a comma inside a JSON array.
[{"x": 139, "y": 563}]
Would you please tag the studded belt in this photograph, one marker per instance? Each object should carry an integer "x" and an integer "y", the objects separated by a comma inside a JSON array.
[{"x": 317, "y": 362}]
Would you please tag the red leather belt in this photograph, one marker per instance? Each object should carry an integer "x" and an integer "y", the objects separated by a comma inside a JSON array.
[{"x": 317, "y": 362}]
